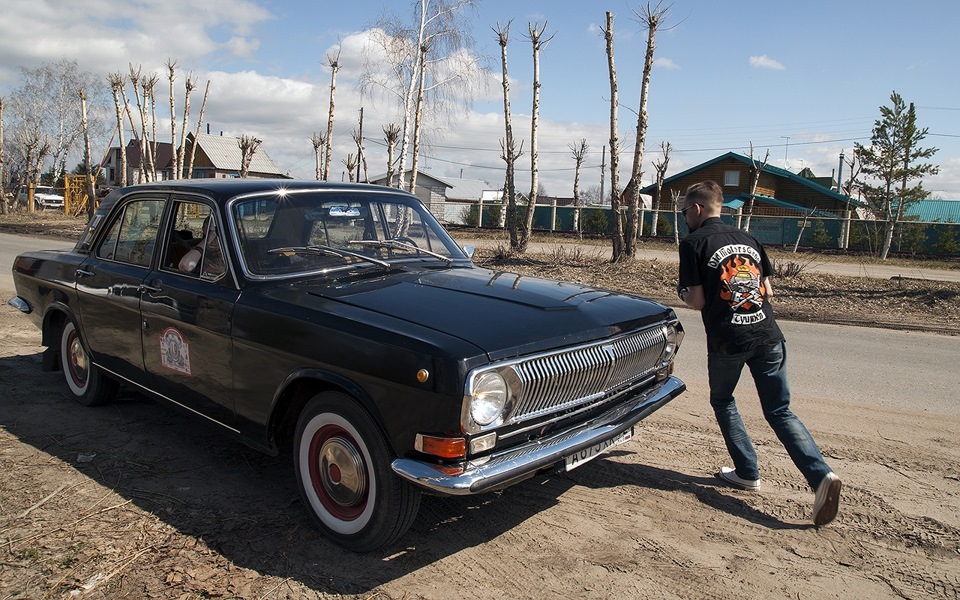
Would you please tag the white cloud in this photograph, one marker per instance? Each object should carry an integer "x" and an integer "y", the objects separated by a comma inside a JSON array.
[
  {"x": 765, "y": 62},
  {"x": 665, "y": 63}
]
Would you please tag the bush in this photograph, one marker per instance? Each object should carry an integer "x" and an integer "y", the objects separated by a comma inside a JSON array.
[
  {"x": 947, "y": 243},
  {"x": 819, "y": 235},
  {"x": 595, "y": 221},
  {"x": 789, "y": 268}
]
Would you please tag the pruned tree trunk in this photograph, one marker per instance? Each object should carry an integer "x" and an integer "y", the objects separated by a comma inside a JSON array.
[
  {"x": 3, "y": 172},
  {"x": 188, "y": 85},
  {"x": 754, "y": 181},
  {"x": 333, "y": 61},
  {"x": 151, "y": 89},
  {"x": 248, "y": 147},
  {"x": 319, "y": 142},
  {"x": 351, "y": 164},
  {"x": 660, "y": 166},
  {"x": 144, "y": 173},
  {"x": 617, "y": 226},
  {"x": 579, "y": 151},
  {"x": 535, "y": 34},
  {"x": 509, "y": 149},
  {"x": 175, "y": 167},
  {"x": 87, "y": 170},
  {"x": 391, "y": 135},
  {"x": 675, "y": 197},
  {"x": 651, "y": 17},
  {"x": 193, "y": 147}
]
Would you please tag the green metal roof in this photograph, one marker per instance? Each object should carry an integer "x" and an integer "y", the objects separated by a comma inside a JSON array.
[{"x": 935, "y": 211}]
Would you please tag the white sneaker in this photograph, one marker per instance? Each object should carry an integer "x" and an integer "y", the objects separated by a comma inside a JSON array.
[
  {"x": 730, "y": 477},
  {"x": 827, "y": 500}
]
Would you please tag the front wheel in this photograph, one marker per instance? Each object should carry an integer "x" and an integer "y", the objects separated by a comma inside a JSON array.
[
  {"x": 87, "y": 384},
  {"x": 343, "y": 470}
]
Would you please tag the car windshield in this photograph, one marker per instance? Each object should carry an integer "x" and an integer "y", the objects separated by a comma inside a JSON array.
[{"x": 284, "y": 234}]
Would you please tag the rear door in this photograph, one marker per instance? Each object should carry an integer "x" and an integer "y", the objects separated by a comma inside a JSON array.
[{"x": 187, "y": 310}]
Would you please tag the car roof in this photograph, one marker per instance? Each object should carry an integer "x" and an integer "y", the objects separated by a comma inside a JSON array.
[{"x": 228, "y": 188}]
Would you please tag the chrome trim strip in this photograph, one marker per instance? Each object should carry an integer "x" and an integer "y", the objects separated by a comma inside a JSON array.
[
  {"x": 158, "y": 394},
  {"x": 514, "y": 464}
]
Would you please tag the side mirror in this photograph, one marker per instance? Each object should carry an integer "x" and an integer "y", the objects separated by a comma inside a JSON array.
[{"x": 469, "y": 250}]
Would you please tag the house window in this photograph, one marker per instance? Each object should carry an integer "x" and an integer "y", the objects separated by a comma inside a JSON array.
[{"x": 731, "y": 178}]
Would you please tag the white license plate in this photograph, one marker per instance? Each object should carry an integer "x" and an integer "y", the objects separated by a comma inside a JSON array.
[{"x": 591, "y": 452}]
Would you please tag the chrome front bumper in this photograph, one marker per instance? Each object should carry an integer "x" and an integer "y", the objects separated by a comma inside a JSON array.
[{"x": 510, "y": 466}]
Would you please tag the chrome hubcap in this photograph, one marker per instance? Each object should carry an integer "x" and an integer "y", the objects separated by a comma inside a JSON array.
[
  {"x": 342, "y": 472},
  {"x": 77, "y": 359}
]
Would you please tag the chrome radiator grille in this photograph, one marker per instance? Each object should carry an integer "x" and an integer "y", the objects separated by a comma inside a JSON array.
[{"x": 575, "y": 376}]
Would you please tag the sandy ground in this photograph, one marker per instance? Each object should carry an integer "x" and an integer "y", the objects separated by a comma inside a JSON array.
[{"x": 133, "y": 500}]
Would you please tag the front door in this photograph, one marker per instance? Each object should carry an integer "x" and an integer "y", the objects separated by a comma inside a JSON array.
[{"x": 109, "y": 286}]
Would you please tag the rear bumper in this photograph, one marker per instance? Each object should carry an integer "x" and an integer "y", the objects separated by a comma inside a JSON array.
[{"x": 518, "y": 463}]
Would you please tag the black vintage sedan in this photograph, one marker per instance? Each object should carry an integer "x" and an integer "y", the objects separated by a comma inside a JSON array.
[{"x": 343, "y": 322}]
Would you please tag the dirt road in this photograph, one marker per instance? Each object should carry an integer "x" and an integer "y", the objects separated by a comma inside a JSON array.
[{"x": 134, "y": 500}]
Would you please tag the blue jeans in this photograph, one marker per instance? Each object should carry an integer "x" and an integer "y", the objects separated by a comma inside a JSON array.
[{"x": 768, "y": 365}]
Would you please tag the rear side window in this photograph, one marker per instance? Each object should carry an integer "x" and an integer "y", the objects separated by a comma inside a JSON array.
[{"x": 132, "y": 236}]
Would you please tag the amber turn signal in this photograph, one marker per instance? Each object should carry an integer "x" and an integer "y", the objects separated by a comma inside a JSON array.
[{"x": 442, "y": 447}]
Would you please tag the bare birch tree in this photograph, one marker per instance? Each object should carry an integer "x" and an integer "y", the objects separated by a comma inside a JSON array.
[
  {"x": 755, "y": 171},
  {"x": 424, "y": 66},
  {"x": 650, "y": 17},
  {"x": 248, "y": 147},
  {"x": 508, "y": 146},
  {"x": 333, "y": 61},
  {"x": 579, "y": 151},
  {"x": 535, "y": 33},
  {"x": 617, "y": 225},
  {"x": 319, "y": 141},
  {"x": 660, "y": 166},
  {"x": 196, "y": 135}
]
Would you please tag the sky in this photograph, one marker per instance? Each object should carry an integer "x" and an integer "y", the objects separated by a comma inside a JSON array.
[{"x": 802, "y": 80}]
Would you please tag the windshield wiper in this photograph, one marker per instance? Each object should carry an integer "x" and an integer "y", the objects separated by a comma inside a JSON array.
[
  {"x": 327, "y": 251},
  {"x": 398, "y": 245}
]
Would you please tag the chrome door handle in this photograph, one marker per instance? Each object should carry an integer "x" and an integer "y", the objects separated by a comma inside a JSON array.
[
  {"x": 84, "y": 273},
  {"x": 149, "y": 288}
]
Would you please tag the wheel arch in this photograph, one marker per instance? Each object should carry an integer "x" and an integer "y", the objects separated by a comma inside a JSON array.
[
  {"x": 302, "y": 385},
  {"x": 54, "y": 319}
]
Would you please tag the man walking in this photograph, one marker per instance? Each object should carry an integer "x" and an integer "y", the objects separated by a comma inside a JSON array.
[{"x": 724, "y": 273}]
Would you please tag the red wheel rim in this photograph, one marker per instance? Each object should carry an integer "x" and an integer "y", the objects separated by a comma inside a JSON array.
[
  {"x": 76, "y": 360},
  {"x": 338, "y": 472}
]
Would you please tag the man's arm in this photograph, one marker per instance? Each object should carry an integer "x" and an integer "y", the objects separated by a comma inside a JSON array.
[
  {"x": 693, "y": 297},
  {"x": 767, "y": 288}
]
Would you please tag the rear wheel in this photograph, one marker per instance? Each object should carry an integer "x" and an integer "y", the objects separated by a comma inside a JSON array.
[
  {"x": 88, "y": 385},
  {"x": 343, "y": 470}
]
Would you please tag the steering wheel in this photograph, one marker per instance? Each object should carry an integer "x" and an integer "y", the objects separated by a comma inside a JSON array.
[{"x": 406, "y": 240}]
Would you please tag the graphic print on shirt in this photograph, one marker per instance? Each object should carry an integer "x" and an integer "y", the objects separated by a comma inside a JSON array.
[{"x": 740, "y": 282}]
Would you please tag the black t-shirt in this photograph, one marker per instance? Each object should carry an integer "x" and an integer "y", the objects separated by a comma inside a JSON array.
[{"x": 731, "y": 266}]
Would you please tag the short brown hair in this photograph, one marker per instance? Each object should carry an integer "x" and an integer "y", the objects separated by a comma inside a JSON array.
[{"x": 706, "y": 193}]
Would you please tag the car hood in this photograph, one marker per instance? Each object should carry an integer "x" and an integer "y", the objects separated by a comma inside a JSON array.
[{"x": 502, "y": 313}]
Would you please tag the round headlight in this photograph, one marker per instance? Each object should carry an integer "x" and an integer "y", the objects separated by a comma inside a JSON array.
[{"x": 488, "y": 398}]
